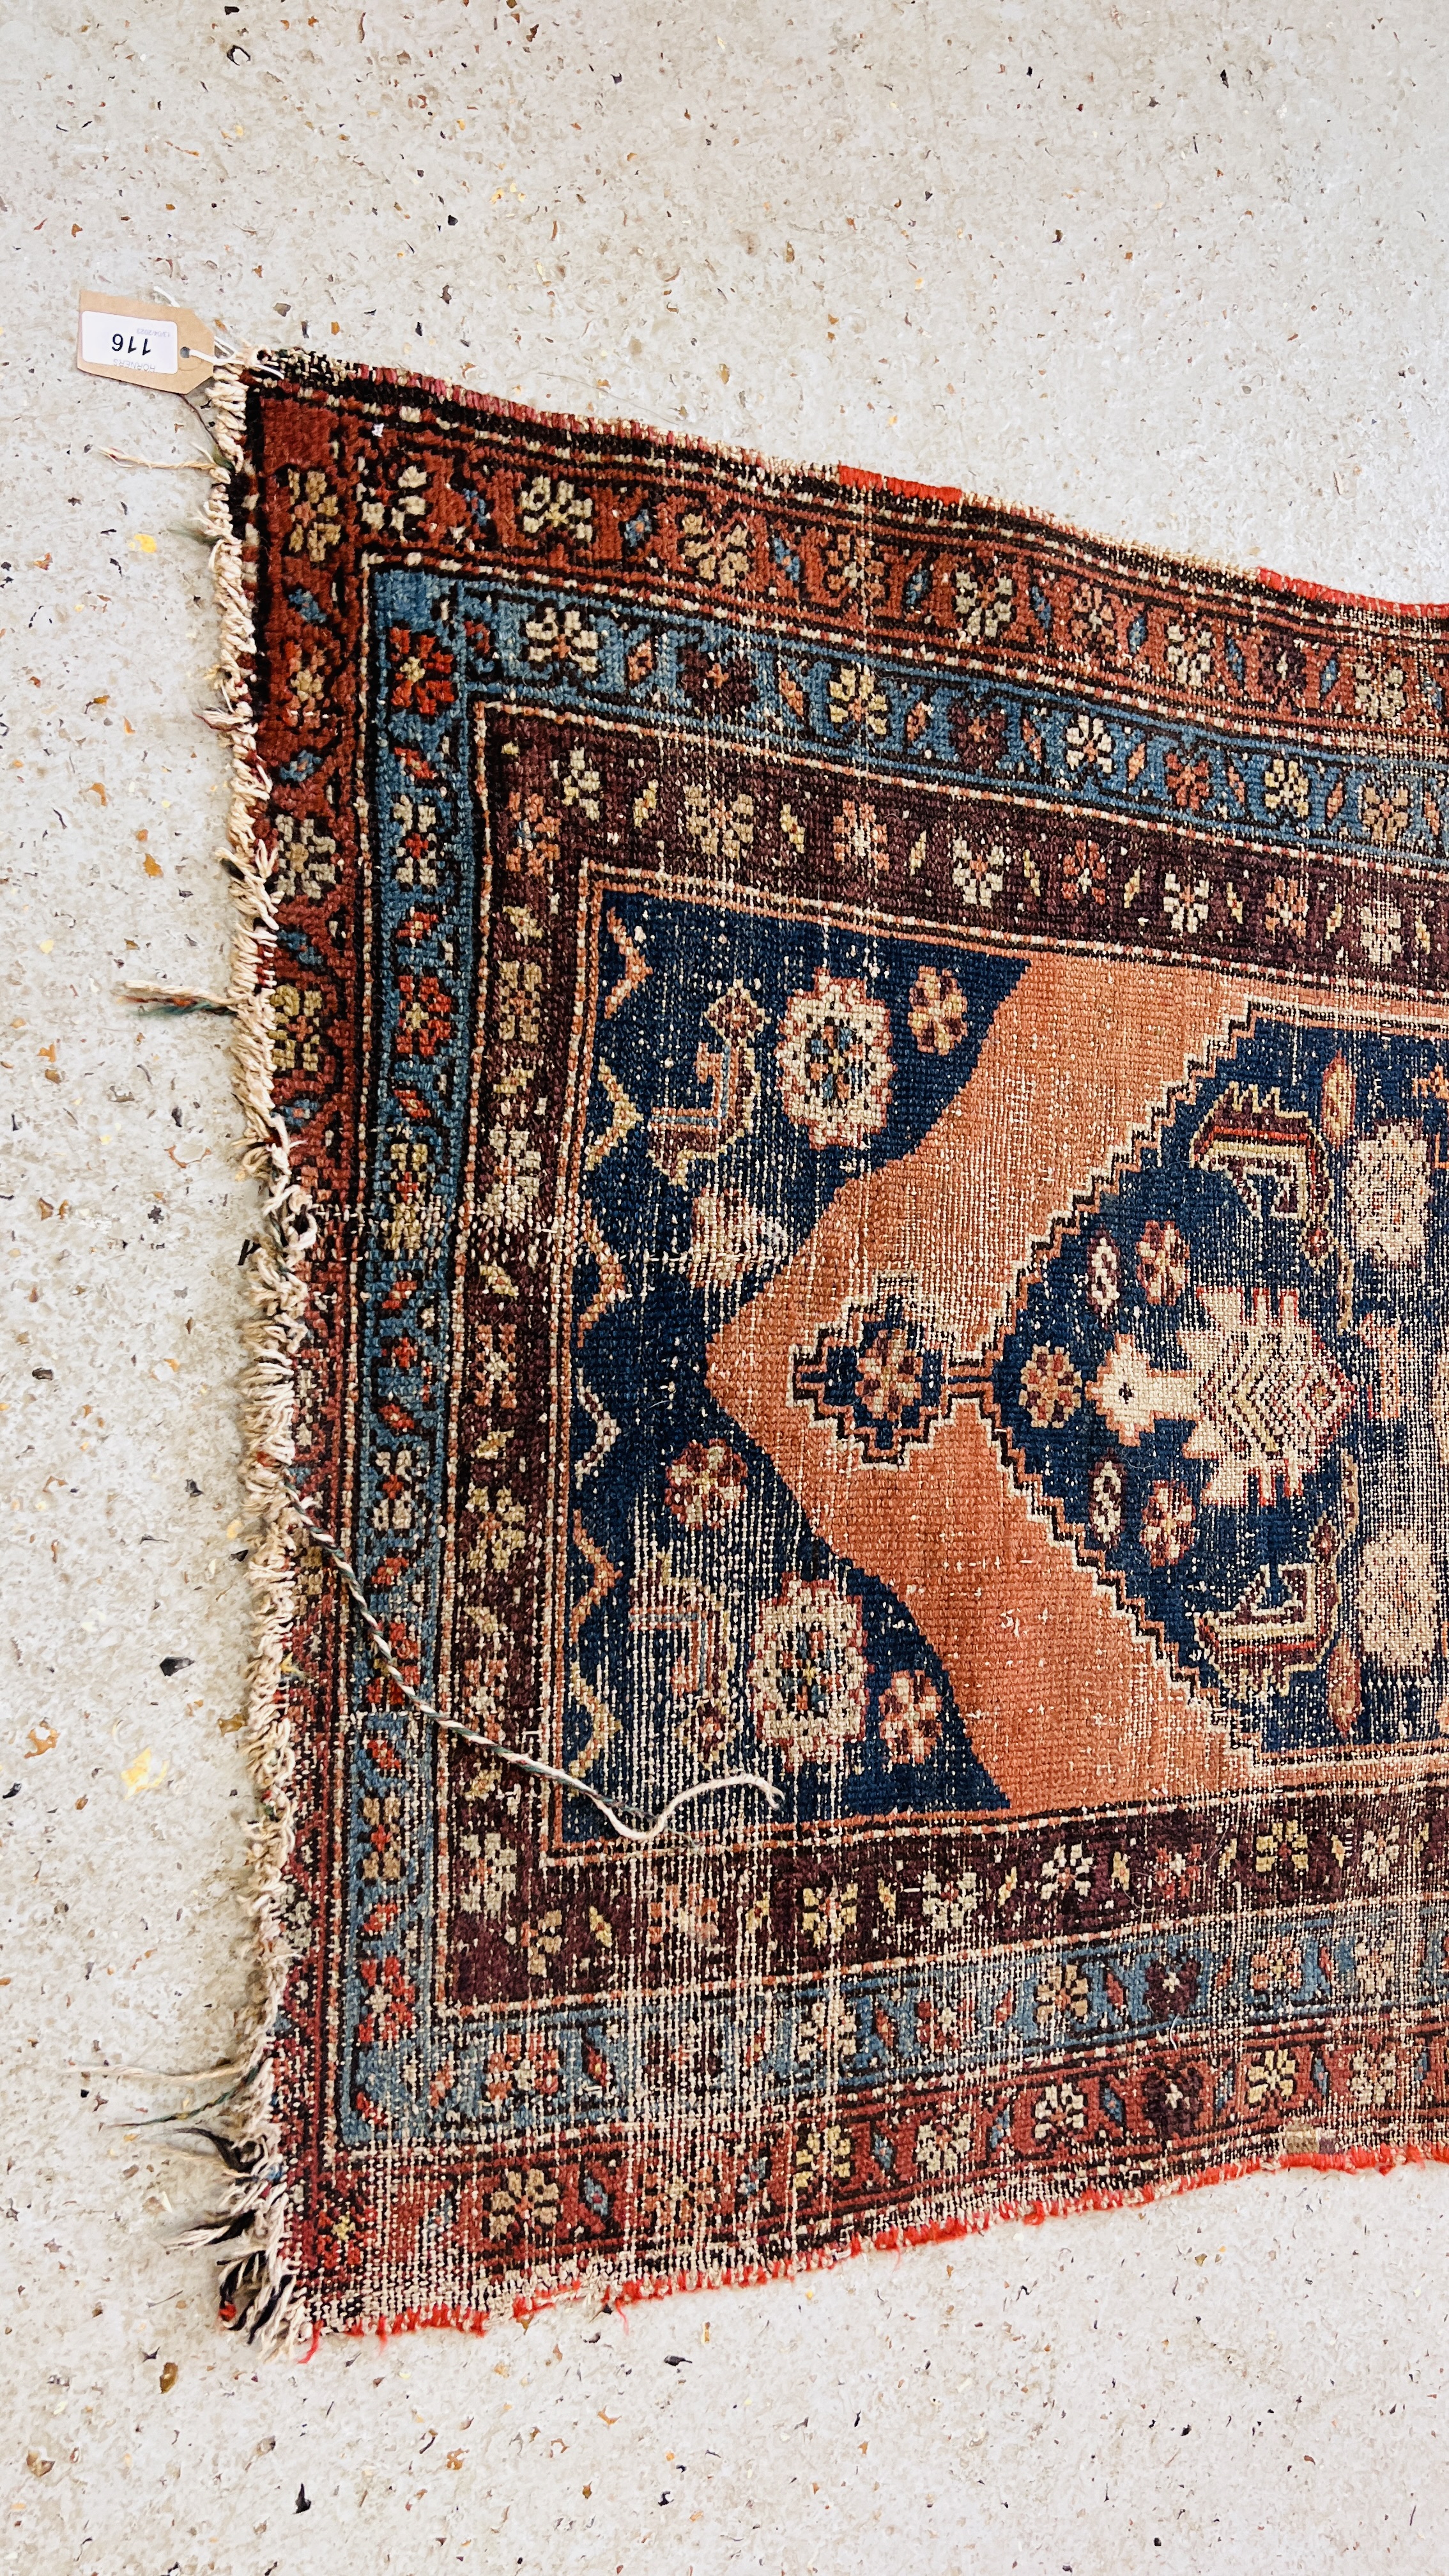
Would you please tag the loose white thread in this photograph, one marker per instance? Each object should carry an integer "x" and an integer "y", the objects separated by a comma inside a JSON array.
[{"x": 328, "y": 1548}]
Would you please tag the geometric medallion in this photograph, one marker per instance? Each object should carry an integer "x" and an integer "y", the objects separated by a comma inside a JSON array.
[
  {"x": 1224, "y": 1381},
  {"x": 881, "y": 1375}
]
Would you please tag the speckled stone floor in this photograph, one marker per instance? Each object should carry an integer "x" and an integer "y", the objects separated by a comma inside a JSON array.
[{"x": 1175, "y": 271}]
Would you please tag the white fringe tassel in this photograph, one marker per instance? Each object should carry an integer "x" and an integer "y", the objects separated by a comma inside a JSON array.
[{"x": 257, "y": 2287}]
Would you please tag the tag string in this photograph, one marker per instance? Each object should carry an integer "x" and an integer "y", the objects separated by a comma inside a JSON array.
[{"x": 328, "y": 1548}]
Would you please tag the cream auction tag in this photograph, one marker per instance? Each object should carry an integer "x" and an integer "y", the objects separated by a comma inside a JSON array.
[{"x": 160, "y": 345}]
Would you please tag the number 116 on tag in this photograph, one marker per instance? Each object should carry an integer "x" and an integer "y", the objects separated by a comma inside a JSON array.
[{"x": 109, "y": 338}]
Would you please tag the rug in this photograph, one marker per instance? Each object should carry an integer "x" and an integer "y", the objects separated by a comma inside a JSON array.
[{"x": 857, "y": 1121}]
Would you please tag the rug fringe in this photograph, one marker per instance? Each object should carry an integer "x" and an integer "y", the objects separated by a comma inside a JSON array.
[
  {"x": 258, "y": 2294},
  {"x": 172, "y": 997}
]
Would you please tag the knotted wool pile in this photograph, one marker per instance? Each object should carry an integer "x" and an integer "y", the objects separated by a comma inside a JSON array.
[{"x": 859, "y": 1103}]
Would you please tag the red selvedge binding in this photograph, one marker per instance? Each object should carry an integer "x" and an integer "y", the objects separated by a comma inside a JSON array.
[{"x": 895, "y": 2240}]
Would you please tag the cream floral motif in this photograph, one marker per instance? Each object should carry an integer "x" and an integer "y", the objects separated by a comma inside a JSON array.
[
  {"x": 1380, "y": 928},
  {"x": 415, "y": 1210},
  {"x": 522, "y": 2066},
  {"x": 316, "y": 521},
  {"x": 720, "y": 555},
  {"x": 979, "y": 872},
  {"x": 1388, "y": 1194},
  {"x": 581, "y": 782},
  {"x": 1284, "y": 1840},
  {"x": 723, "y": 827},
  {"x": 1374, "y": 1967},
  {"x": 1285, "y": 789},
  {"x": 1061, "y": 2111},
  {"x": 1089, "y": 745},
  {"x": 539, "y": 1942},
  {"x": 295, "y": 1014},
  {"x": 495, "y": 1867},
  {"x": 681, "y": 2204},
  {"x": 409, "y": 503},
  {"x": 983, "y": 604},
  {"x": 1277, "y": 1968},
  {"x": 1379, "y": 692},
  {"x": 947, "y": 1905},
  {"x": 504, "y": 1532},
  {"x": 1051, "y": 1389},
  {"x": 1398, "y": 1601},
  {"x": 1062, "y": 1996},
  {"x": 518, "y": 1169},
  {"x": 395, "y": 1470},
  {"x": 1271, "y": 2077},
  {"x": 944, "y": 2148},
  {"x": 822, "y": 2157},
  {"x": 826, "y": 2030},
  {"x": 417, "y": 842},
  {"x": 828, "y": 1913},
  {"x": 834, "y": 1060},
  {"x": 309, "y": 679},
  {"x": 551, "y": 638},
  {"x": 853, "y": 568},
  {"x": 856, "y": 701},
  {"x": 1189, "y": 653},
  {"x": 525, "y": 2203},
  {"x": 382, "y": 1860},
  {"x": 549, "y": 508},
  {"x": 1286, "y": 910},
  {"x": 808, "y": 1672},
  {"x": 1186, "y": 904},
  {"x": 516, "y": 1002},
  {"x": 860, "y": 839},
  {"x": 1379, "y": 1853},
  {"x": 1373, "y": 2078},
  {"x": 1385, "y": 813},
  {"x": 1066, "y": 1872},
  {"x": 1094, "y": 619}
]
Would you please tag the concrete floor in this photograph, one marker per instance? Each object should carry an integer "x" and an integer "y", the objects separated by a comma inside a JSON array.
[{"x": 1173, "y": 270}]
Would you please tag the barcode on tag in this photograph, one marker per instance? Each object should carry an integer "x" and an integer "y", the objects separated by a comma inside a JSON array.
[{"x": 109, "y": 339}]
